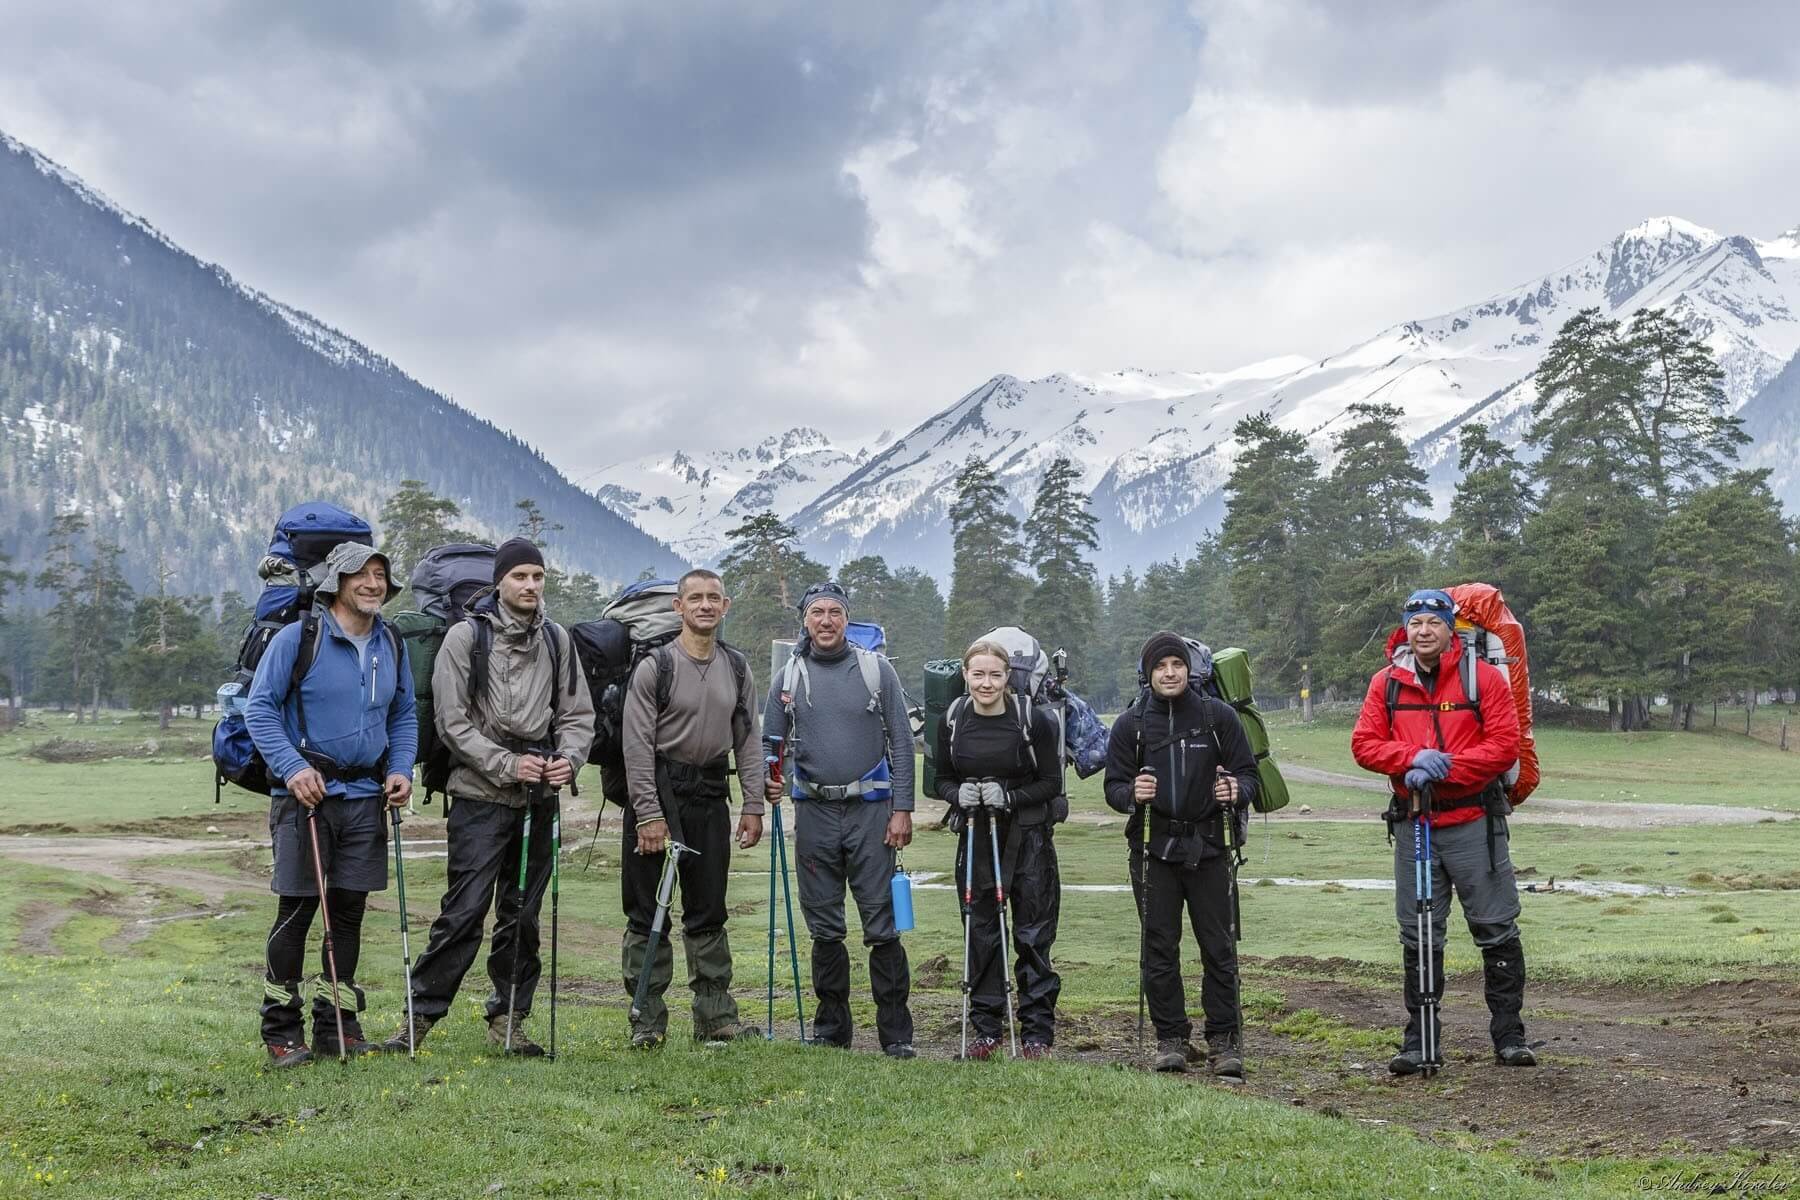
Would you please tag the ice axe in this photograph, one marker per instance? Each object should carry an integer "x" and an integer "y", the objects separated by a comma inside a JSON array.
[{"x": 665, "y": 890}]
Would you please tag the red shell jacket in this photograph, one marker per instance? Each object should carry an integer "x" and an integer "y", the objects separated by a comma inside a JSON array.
[{"x": 1481, "y": 747}]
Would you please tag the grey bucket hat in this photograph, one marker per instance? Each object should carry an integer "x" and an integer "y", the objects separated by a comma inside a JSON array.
[{"x": 347, "y": 558}]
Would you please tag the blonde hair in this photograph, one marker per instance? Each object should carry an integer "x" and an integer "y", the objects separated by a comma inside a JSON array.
[{"x": 993, "y": 649}]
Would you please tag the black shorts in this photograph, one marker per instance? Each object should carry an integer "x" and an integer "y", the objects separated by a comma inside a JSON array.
[{"x": 353, "y": 845}]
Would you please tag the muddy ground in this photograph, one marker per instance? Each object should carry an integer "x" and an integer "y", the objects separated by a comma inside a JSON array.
[{"x": 1624, "y": 1071}]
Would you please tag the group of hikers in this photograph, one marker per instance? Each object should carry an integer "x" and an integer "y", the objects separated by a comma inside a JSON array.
[{"x": 333, "y": 712}]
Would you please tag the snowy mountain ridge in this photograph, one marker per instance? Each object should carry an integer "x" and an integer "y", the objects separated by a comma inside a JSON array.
[{"x": 1155, "y": 448}]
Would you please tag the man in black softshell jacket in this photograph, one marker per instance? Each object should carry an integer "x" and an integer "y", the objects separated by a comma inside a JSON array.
[{"x": 1184, "y": 757}]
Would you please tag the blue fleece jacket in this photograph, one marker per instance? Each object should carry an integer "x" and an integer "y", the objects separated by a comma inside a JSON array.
[{"x": 357, "y": 717}]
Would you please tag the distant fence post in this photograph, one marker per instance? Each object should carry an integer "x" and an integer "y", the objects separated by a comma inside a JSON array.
[{"x": 1784, "y": 722}]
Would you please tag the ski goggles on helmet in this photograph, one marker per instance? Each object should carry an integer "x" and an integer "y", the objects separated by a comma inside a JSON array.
[{"x": 1431, "y": 603}]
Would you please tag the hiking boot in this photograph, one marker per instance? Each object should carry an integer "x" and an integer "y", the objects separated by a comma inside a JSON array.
[
  {"x": 1035, "y": 1051},
  {"x": 1195, "y": 1055},
  {"x": 645, "y": 1039},
  {"x": 326, "y": 1047},
  {"x": 900, "y": 1050},
  {"x": 1410, "y": 1061},
  {"x": 1226, "y": 1058},
  {"x": 983, "y": 1048},
  {"x": 397, "y": 1044},
  {"x": 522, "y": 1046},
  {"x": 726, "y": 1034},
  {"x": 288, "y": 1054},
  {"x": 1515, "y": 1054},
  {"x": 1171, "y": 1055}
]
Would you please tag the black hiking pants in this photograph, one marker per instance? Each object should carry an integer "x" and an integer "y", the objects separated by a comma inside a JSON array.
[
  {"x": 486, "y": 840},
  {"x": 1201, "y": 891},
  {"x": 284, "y": 988},
  {"x": 1034, "y": 905},
  {"x": 701, "y": 820}
]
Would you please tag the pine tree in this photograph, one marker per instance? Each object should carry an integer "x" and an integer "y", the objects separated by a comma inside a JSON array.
[
  {"x": 534, "y": 525},
  {"x": 765, "y": 573},
  {"x": 1685, "y": 433},
  {"x": 69, "y": 653},
  {"x": 172, "y": 658},
  {"x": 1722, "y": 575},
  {"x": 915, "y": 622},
  {"x": 1587, "y": 384},
  {"x": 9, "y": 579},
  {"x": 987, "y": 585},
  {"x": 106, "y": 613},
  {"x": 1376, "y": 535},
  {"x": 1063, "y": 610},
  {"x": 413, "y": 520},
  {"x": 1488, "y": 512},
  {"x": 1271, "y": 540}
]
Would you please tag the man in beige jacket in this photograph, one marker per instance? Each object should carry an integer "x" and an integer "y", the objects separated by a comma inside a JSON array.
[{"x": 514, "y": 709}]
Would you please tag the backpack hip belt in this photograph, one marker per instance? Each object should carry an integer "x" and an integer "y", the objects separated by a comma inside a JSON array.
[{"x": 838, "y": 791}]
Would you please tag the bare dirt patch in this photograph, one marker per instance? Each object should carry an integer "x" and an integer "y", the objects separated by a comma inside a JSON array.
[
  {"x": 124, "y": 858},
  {"x": 38, "y": 922}
]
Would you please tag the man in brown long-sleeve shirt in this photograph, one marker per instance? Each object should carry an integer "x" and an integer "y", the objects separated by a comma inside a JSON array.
[{"x": 690, "y": 706}]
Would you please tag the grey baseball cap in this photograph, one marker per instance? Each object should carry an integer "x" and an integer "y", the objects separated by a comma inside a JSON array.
[{"x": 347, "y": 558}]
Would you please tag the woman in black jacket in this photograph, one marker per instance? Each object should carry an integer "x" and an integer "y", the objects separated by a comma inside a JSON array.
[
  {"x": 999, "y": 766},
  {"x": 1183, "y": 757}
]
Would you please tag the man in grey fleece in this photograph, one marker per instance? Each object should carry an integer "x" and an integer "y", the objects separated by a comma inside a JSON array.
[
  {"x": 690, "y": 705},
  {"x": 839, "y": 715}
]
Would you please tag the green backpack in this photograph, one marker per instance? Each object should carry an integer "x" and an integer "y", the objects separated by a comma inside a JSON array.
[{"x": 1231, "y": 679}]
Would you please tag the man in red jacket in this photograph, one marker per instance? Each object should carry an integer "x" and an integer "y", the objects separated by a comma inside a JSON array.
[{"x": 1444, "y": 725}]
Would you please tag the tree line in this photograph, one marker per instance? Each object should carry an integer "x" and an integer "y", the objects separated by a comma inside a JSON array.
[
  {"x": 1643, "y": 563},
  {"x": 101, "y": 642}
]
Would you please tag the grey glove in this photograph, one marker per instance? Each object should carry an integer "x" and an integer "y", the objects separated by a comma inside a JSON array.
[
  {"x": 993, "y": 795},
  {"x": 968, "y": 796}
]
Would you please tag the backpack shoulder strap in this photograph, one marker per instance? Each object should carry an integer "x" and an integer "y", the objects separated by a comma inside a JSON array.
[
  {"x": 1024, "y": 710},
  {"x": 665, "y": 675},
  {"x": 1393, "y": 696},
  {"x": 481, "y": 645},
  {"x": 740, "y": 674},
  {"x": 1469, "y": 667},
  {"x": 557, "y": 690},
  {"x": 312, "y": 629},
  {"x": 869, "y": 663}
]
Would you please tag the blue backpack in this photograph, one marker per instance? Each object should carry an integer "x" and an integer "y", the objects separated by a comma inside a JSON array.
[{"x": 303, "y": 536}]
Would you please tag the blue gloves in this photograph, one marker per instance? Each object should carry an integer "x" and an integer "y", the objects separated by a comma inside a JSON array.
[
  {"x": 1417, "y": 780},
  {"x": 1435, "y": 764}
]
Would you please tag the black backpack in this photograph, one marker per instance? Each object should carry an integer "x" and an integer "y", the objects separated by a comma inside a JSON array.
[{"x": 639, "y": 621}]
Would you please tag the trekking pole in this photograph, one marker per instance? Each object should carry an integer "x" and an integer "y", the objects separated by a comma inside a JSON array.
[
  {"x": 1234, "y": 855},
  {"x": 968, "y": 914},
  {"x": 772, "y": 764},
  {"x": 1425, "y": 933},
  {"x": 769, "y": 1034},
  {"x": 1006, "y": 951},
  {"x": 665, "y": 890},
  {"x": 312, "y": 819},
  {"x": 405, "y": 939},
  {"x": 1143, "y": 915},
  {"x": 519, "y": 921},
  {"x": 787, "y": 902},
  {"x": 555, "y": 905}
]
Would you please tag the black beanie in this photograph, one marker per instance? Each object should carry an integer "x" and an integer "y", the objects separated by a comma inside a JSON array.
[
  {"x": 515, "y": 552},
  {"x": 1160, "y": 646}
]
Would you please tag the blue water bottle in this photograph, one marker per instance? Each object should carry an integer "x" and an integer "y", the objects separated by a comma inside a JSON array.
[{"x": 901, "y": 887}]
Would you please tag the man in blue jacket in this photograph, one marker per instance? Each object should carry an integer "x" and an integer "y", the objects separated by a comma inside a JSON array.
[{"x": 331, "y": 712}]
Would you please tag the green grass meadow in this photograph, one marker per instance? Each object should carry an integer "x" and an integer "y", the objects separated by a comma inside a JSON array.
[{"x": 130, "y": 1063}]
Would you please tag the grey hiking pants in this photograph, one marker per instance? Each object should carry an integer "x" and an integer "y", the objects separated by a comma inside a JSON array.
[
  {"x": 839, "y": 844},
  {"x": 1459, "y": 860}
]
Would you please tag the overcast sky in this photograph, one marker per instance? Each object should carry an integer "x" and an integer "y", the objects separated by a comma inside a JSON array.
[{"x": 619, "y": 228}]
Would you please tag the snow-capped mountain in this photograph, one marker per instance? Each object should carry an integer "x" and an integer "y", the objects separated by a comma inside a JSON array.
[
  {"x": 1155, "y": 449},
  {"x": 691, "y": 500},
  {"x": 180, "y": 410}
]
